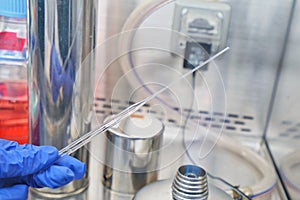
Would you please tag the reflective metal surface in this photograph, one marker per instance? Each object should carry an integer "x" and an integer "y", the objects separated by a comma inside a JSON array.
[
  {"x": 248, "y": 72},
  {"x": 61, "y": 75},
  {"x": 257, "y": 33},
  {"x": 190, "y": 182},
  {"x": 132, "y": 154},
  {"x": 256, "y": 48},
  {"x": 284, "y": 128},
  {"x": 285, "y": 114}
]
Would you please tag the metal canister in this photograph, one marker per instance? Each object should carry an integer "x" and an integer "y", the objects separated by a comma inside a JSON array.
[
  {"x": 189, "y": 183},
  {"x": 132, "y": 154},
  {"x": 61, "y": 76}
]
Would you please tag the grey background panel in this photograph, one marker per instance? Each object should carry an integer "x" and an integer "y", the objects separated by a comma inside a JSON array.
[
  {"x": 285, "y": 118},
  {"x": 283, "y": 133}
]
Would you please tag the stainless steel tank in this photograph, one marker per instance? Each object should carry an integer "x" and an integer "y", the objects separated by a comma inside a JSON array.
[{"x": 61, "y": 70}]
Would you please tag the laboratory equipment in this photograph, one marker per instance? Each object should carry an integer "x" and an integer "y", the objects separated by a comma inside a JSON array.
[
  {"x": 132, "y": 151},
  {"x": 13, "y": 31},
  {"x": 113, "y": 120},
  {"x": 257, "y": 34},
  {"x": 204, "y": 27},
  {"x": 189, "y": 183},
  {"x": 242, "y": 35},
  {"x": 249, "y": 74},
  {"x": 61, "y": 77},
  {"x": 259, "y": 178},
  {"x": 13, "y": 71}
]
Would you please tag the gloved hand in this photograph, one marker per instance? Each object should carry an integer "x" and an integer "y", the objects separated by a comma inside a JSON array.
[{"x": 28, "y": 165}]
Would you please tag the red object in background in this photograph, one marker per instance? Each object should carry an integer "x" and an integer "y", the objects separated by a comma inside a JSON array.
[
  {"x": 14, "y": 111},
  {"x": 10, "y": 41}
]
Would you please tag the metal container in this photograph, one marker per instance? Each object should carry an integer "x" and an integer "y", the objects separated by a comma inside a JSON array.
[
  {"x": 189, "y": 183},
  {"x": 132, "y": 154},
  {"x": 61, "y": 69}
]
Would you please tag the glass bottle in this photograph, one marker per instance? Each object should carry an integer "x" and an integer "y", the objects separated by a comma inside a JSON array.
[{"x": 13, "y": 71}]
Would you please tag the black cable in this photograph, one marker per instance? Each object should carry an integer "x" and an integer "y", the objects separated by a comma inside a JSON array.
[{"x": 189, "y": 155}]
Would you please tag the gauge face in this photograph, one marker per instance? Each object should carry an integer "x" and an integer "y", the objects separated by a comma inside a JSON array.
[{"x": 290, "y": 169}]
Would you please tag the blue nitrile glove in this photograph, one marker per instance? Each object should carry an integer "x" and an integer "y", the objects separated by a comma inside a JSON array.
[{"x": 28, "y": 165}]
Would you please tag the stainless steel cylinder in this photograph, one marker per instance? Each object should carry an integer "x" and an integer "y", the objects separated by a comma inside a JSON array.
[
  {"x": 132, "y": 154},
  {"x": 61, "y": 69}
]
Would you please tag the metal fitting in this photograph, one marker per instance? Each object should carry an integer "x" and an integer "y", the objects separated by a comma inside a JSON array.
[{"x": 190, "y": 183}]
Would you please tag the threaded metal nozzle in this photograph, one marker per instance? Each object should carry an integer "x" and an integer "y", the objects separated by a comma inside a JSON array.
[{"x": 190, "y": 183}]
